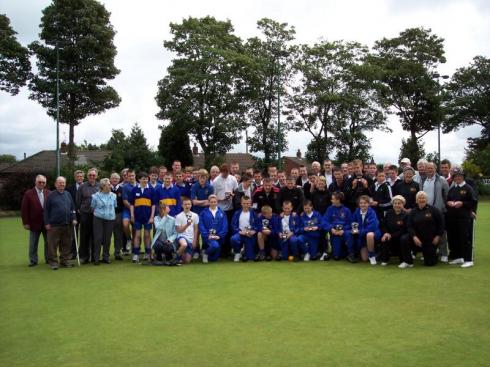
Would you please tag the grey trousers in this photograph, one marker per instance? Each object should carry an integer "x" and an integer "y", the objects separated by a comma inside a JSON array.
[
  {"x": 34, "y": 243},
  {"x": 117, "y": 231},
  {"x": 102, "y": 237},
  {"x": 59, "y": 239}
]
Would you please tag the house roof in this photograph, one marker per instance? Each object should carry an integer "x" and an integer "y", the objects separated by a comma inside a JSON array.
[
  {"x": 245, "y": 160},
  {"x": 295, "y": 160},
  {"x": 45, "y": 161}
]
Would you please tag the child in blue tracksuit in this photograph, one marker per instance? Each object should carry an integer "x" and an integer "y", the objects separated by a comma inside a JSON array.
[
  {"x": 266, "y": 236},
  {"x": 169, "y": 194},
  {"x": 143, "y": 201},
  {"x": 368, "y": 232},
  {"x": 213, "y": 226},
  {"x": 310, "y": 229},
  {"x": 287, "y": 226},
  {"x": 337, "y": 222},
  {"x": 244, "y": 225}
]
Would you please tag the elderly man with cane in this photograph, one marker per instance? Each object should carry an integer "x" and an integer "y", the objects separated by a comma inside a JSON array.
[{"x": 59, "y": 216}]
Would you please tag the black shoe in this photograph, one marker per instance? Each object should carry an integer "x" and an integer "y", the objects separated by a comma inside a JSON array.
[
  {"x": 54, "y": 266},
  {"x": 32, "y": 264},
  {"x": 257, "y": 258},
  {"x": 244, "y": 259},
  {"x": 106, "y": 261},
  {"x": 296, "y": 259},
  {"x": 315, "y": 258},
  {"x": 96, "y": 262},
  {"x": 67, "y": 265},
  {"x": 268, "y": 258},
  {"x": 84, "y": 261},
  {"x": 118, "y": 257},
  {"x": 352, "y": 259},
  {"x": 279, "y": 258},
  {"x": 336, "y": 258}
]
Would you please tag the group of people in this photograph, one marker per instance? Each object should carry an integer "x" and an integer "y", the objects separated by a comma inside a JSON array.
[{"x": 355, "y": 212}]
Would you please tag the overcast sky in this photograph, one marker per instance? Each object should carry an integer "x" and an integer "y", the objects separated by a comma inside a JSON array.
[{"x": 142, "y": 26}]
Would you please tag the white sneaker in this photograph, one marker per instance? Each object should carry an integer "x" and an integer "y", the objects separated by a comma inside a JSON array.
[
  {"x": 413, "y": 256},
  {"x": 384, "y": 264},
  {"x": 324, "y": 256},
  {"x": 444, "y": 259},
  {"x": 372, "y": 260},
  {"x": 457, "y": 261},
  {"x": 467, "y": 264},
  {"x": 136, "y": 258},
  {"x": 204, "y": 258},
  {"x": 307, "y": 257},
  {"x": 196, "y": 255},
  {"x": 405, "y": 265},
  {"x": 237, "y": 257},
  {"x": 146, "y": 257}
]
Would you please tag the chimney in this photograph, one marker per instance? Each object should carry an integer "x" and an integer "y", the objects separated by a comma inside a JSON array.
[
  {"x": 25, "y": 155},
  {"x": 298, "y": 154},
  {"x": 195, "y": 150},
  {"x": 63, "y": 148}
]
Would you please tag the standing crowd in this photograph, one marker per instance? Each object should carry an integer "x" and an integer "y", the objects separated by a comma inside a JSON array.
[{"x": 354, "y": 212}]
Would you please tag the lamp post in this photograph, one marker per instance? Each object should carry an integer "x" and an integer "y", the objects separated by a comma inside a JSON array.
[
  {"x": 58, "y": 158},
  {"x": 279, "y": 163},
  {"x": 437, "y": 75}
]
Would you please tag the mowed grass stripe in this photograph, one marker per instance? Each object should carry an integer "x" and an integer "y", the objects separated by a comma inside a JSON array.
[{"x": 247, "y": 314}]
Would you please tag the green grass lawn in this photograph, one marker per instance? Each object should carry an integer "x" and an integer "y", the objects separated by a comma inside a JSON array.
[{"x": 246, "y": 314}]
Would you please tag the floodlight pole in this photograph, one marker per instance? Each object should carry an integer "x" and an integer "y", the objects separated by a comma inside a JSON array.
[{"x": 58, "y": 163}]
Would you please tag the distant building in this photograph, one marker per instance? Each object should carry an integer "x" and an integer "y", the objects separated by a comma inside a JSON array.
[
  {"x": 44, "y": 162},
  {"x": 245, "y": 160}
]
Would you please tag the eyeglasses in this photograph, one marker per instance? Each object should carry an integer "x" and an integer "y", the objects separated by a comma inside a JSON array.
[{"x": 41, "y": 182}]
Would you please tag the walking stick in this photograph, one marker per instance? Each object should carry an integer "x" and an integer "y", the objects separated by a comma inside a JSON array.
[
  {"x": 473, "y": 246},
  {"x": 76, "y": 243}
]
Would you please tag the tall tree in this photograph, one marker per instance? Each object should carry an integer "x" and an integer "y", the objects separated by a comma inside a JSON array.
[
  {"x": 468, "y": 103},
  {"x": 333, "y": 100},
  {"x": 175, "y": 145},
  {"x": 80, "y": 30},
  {"x": 407, "y": 79},
  {"x": 268, "y": 70},
  {"x": 15, "y": 67},
  {"x": 130, "y": 151},
  {"x": 202, "y": 92}
]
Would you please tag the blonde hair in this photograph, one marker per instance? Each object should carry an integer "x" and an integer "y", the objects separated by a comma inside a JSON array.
[
  {"x": 104, "y": 182},
  {"x": 266, "y": 209},
  {"x": 420, "y": 194}
]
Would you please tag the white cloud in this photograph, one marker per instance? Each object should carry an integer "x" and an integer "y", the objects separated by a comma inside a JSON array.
[{"x": 142, "y": 27}]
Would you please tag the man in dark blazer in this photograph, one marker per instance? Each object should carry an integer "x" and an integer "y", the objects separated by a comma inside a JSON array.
[
  {"x": 32, "y": 211},
  {"x": 72, "y": 189}
]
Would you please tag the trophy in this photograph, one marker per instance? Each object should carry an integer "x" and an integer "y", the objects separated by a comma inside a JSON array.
[
  {"x": 247, "y": 230},
  {"x": 265, "y": 223},
  {"x": 338, "y": 227},
  {"x": 212, "y": 233},
  {"x": 284, "y": 234},
  {"x": 310, "y": 223},
  {"x": 189, "y": 217},
  {"x": 355, "y": 228}
]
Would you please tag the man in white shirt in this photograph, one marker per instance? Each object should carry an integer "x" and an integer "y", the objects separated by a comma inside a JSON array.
[
  {"x": 327, "y": 171},
  {"x": 224, "y": 186},
  {"x": 186, "y": 224}
]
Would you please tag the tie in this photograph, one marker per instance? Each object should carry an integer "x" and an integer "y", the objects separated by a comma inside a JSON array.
[{"x": 41, "y": 198}]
